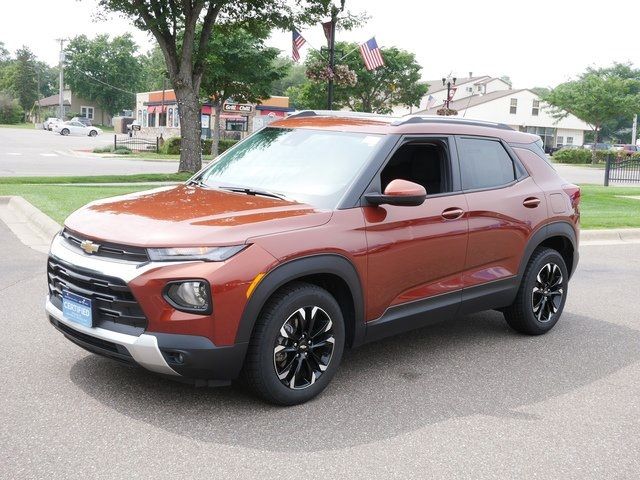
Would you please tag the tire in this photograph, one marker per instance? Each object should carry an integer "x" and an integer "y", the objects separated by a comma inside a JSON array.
[
  {"x": 93, "y": 133},
  {"x": 64, "y": 132},
  {"x": 280, "y": 346},
  {"x": 542, "y": 294}
]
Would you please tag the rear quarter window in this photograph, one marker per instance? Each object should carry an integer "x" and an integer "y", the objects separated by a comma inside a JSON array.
[{"x": 484, "y": 163}]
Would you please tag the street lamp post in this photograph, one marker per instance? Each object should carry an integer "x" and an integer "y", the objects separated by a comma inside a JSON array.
[
  {"x": 335, "y": 10},
  {"x": 448, "y": 82}
]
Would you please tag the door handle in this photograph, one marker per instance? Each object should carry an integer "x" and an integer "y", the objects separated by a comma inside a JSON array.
[
  {"x": 531, "y": 202},
  {"x": 452, "y": 213}
]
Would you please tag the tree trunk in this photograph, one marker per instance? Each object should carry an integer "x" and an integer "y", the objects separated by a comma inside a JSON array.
[
  {"x": 190, "y": 129},
  {"x": 215, "y": 139},
  {"x": 594, "y": 158}
]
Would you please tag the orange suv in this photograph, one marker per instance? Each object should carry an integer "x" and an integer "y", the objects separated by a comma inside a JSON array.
[{"x": 321, "y": 232}]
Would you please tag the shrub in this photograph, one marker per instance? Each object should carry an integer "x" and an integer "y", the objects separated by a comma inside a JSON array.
[
  {"x": 572, "y": 155},
  {"x": 10, "y": 110},
  {"x": 122, "y": 151},
  {"x": 107, "y": 149},
  {"x": 171, "y": 145}
]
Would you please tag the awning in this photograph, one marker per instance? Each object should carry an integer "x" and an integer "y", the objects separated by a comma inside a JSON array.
[
  {"x": 151, "y": 109},
  {"x": 206, "y": 110}
]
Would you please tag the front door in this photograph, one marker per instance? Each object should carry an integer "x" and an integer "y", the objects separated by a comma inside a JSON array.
[{"x": 417, "y": 253}]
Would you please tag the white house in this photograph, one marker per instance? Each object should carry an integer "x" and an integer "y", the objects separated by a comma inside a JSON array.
[{"x": 492, "y": 99}]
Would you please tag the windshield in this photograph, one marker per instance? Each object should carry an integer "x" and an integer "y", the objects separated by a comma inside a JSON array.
[{"x": 308, "y": 166}]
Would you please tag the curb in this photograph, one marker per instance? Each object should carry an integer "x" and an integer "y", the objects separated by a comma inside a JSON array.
[
  {"x": 625, "y": 235},
  {"x": 32, "y": 227}
]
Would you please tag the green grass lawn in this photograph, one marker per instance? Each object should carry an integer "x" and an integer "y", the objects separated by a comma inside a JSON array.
[
  {"x": 17, "y": 125},
  {"x": 603, "y": 207},
  {"x": 58, "y": 201},
  {"x": 141, "y": 177}
]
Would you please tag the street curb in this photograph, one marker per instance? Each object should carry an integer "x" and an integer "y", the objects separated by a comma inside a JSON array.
[
  {"x": 32, "y": 227},
  {"x": 613, "y": 235}
]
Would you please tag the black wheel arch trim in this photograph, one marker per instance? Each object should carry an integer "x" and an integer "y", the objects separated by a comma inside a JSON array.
[
  {"x": 550, "y": 230},
  {"x": 325, "y": 263}
]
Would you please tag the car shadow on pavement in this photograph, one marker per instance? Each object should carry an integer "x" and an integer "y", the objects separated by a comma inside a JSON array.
[{"x": 473, "y": 365}]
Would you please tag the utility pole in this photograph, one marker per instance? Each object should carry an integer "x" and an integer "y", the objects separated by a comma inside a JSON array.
[
  {"x": 335, "y": 10},
  {"x": 634, "y": 130},
  {"x": 61, "y": 80}
]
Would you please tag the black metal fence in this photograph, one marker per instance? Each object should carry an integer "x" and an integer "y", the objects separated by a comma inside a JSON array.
[
  {"x": 137, "y": 143},
  {"x": 622, "y": 170}
]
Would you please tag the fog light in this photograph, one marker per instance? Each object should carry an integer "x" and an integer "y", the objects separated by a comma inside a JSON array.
[{"x": 189, "y": 296}]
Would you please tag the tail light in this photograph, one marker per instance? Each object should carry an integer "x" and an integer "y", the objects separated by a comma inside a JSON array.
[{"x": 574, "y": 194}]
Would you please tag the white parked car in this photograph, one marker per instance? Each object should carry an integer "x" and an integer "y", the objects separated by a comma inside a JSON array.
[
  {"x": 51, "y": 122},
  {"x": 76, "y": 128}
]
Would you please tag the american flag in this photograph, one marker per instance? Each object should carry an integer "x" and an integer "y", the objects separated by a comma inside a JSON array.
[
  {"x": 297, "y": 42},
  {"x": 431, "y": 101},
  {"x": 371, "y": 54}
]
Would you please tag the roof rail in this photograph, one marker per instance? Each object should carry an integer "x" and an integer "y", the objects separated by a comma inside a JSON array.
[
  {"x": 339, "y": 113},
  {"x": 447, "y": 119}
]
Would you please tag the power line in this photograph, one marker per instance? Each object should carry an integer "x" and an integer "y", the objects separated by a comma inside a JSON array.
[{"x": 90, "y": 77}]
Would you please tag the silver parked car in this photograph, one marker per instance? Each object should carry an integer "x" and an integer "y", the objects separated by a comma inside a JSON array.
[{"x": 76, "y": 128}]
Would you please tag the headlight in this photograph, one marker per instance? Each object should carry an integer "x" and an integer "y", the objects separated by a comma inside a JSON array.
[
  {"x": 191, "y": 296},
  {"x": 207, "y": 254}
]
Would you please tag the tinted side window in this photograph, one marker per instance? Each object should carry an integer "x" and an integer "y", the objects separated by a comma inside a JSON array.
[{"x": 484, "y": 164}]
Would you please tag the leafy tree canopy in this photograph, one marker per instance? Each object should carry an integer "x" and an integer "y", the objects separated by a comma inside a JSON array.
[
  {"x": 397, "y": 83},
  {"x": 104, "y": 70}
]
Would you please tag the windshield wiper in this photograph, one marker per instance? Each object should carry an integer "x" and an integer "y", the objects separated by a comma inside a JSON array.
[{"x": 254, "y": 191}]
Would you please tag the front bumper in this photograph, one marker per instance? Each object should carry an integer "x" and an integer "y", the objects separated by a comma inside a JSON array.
[{"x": 186, "y": 357}]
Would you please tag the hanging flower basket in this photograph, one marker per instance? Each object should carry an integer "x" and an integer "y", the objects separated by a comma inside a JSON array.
[
  {"x": 447, "y": 112},
  {"x": 341, "y": 75}
]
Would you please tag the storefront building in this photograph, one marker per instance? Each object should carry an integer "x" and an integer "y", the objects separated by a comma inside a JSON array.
[{"x": 157, "y": 113}]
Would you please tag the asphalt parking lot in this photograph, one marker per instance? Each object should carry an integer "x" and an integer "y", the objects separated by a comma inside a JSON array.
[
  {"x": 468, "y": 399},
  {"x": 26, "y": 152}
]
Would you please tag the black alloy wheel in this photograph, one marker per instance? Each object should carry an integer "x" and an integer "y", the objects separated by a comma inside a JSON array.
[
  {"x": 548, "y": 292},
  {"x": 304, "y": 347}
]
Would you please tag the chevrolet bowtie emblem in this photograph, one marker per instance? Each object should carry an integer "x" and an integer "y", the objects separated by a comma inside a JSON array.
[{"x": 89, "y": 247}]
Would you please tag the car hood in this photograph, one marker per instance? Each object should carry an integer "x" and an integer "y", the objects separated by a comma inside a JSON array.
[{"x": 190, "y": 216}]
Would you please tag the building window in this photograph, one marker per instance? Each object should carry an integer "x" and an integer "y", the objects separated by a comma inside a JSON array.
[
  {"x": 470, "y": 89},
  {"x": 513, "y": 109},
  {"x": 236, "y": 125},
  {"x": 559, "y": 142},
  {"x": 569, "y": 140},
  {"x": 152, "y": 119},
  {"x": 139, "y": 117},
  {"x": 162, "y": 118},
  {"x": 176, "y": 118},
  {"x": 535, "y": 110},
  {"x": 145, "y": 115},
  {"x": 86, "y": 112}
]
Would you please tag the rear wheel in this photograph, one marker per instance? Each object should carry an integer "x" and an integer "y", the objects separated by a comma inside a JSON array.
[
  {"x": 542, "y": 294},
  {"x": 64, "y": 131},
  {"x": 296, "y": 346},
  {"x": 93, "y": 133}
]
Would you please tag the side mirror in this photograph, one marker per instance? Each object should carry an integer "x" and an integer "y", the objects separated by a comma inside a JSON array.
[{"x": 400, "y": 193}]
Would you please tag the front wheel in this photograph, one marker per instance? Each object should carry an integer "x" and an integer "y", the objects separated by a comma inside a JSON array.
[
  {"x": 542, "y": 294},
  {"x": 296, "y": 345}
]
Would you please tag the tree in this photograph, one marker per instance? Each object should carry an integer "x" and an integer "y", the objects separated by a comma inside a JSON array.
[
  {"x": 22, "y": 78},
  {"x": 295, "y": 76},
  {"x": 396, "y": 83},
  {"x": 240, "y": 67},
  {"x": 183, "y": 31},
  {"x": 104, "y": 70},
  {"x": 596, "y": 97},
  {"x": 10, "y": 109},
  {"x": 154, "y": 70}
]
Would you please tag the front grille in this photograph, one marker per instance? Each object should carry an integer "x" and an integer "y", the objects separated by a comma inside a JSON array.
[
  {"x": 115, "y": 307},
  {"x": 108, "y": 250}
]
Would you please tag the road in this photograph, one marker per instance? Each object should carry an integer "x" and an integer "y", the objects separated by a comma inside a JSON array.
[
  {"x": 25, "y": 152},
  {"x": 468, "y": 399}
]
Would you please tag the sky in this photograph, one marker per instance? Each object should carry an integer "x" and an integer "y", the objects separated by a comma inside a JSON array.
[{"x": 536, "y": 44}]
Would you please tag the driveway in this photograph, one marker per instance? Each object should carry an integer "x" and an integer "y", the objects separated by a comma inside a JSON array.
[
  {"x": 25, "y": 152},
  {"x": 467, "y": 399}
]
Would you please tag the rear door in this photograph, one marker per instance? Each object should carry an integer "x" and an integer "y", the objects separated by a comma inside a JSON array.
[{"x": 505, "y": 207}]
